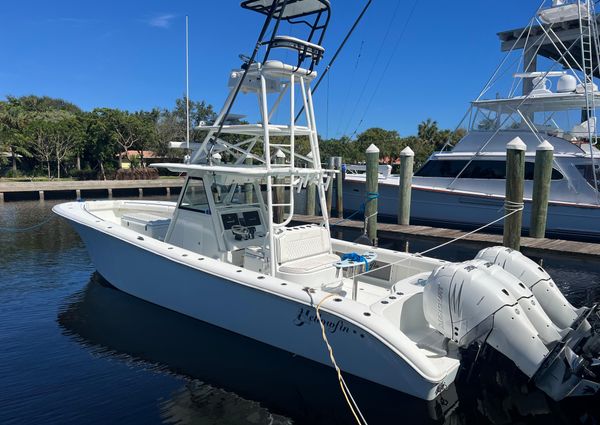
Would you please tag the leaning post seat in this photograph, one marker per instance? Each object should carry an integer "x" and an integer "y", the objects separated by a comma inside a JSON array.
[{"x": 303, "y": 254}]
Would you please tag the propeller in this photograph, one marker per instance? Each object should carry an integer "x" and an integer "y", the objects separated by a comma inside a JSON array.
[{"x": 577, "y": 364}]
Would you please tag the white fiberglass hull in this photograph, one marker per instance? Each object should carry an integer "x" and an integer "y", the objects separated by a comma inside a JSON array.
[
  {"x": 269, "y": 310},
  {"x": 466, "y": 209}
]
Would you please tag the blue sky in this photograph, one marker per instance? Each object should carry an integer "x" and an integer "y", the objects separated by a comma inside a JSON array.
[{"x": 130, "y": 54}]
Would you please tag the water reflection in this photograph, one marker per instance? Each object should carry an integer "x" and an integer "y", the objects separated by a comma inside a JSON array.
[
  {"x": 234, "y": 369},
  {"x": 235, "y": 380},
  {"x": 54, "y": 237}
]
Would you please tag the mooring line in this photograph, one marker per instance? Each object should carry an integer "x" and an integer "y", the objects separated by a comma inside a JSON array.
[
  {"x": 345, "y": 390},
  {"x": 26, "y": 229}
]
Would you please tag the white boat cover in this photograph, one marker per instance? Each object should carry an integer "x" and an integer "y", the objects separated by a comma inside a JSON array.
[
  {"x": 563, "y": 13},
  {"x": 293, "y": 9}
]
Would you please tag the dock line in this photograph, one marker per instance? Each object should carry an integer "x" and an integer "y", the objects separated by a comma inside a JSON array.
[
  {"x": 345, "y": 390},
  {"x": 26, "y": 229}
]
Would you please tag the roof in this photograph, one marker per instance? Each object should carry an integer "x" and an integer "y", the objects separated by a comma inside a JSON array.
[
  {"x": 146, "y": 154},
  {"x": 567, "y": 31},
  {"x": 473, "y": 141},
  {"x": 293, "y": 8},
  {"x": 537, "y": 103}
]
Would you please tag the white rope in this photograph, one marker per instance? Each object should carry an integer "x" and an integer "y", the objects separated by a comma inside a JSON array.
[
  {"x": 27, "y": 229},
  {"x": 513, "y": 206},
  {"x": 345, "y": 390}
]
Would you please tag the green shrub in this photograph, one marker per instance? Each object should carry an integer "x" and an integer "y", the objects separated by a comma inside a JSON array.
[
  {"x": 84, "y": 174},
  {"x": 137, "y": 174},
  {"x": 11, "y": 174}
]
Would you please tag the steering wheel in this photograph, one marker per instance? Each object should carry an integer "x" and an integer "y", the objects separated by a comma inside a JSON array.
[{"x": 241, "y": 231}]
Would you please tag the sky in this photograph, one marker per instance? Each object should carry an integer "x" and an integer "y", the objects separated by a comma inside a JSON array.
[{"x": 407, "y": 61}]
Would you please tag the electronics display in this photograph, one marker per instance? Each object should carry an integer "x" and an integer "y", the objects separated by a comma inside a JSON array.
[
  {"x": 229, "y": 220},
  {"x": 251, "y": 218}
]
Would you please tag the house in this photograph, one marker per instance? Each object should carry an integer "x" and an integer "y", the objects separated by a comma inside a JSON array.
[{"x": 134, "y": 157}]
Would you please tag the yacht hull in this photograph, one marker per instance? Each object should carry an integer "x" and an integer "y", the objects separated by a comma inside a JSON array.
[
  {"x": 470, "y": 210},
  {"x": 286, "y": 323}
]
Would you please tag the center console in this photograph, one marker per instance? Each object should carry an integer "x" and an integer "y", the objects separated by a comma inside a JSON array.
[{"x": 243, "y": 227}]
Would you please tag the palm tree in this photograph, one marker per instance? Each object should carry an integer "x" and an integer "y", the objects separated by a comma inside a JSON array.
[{"x": 428, "y": 130}]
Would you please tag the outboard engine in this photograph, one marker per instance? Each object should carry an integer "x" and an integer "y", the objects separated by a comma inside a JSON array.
[
  {"x": 510, "y": 303},
  {"x": 562, "y": 313}
]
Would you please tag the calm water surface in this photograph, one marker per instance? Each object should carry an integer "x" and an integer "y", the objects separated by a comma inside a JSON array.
[{"x": 74, "y": 350}]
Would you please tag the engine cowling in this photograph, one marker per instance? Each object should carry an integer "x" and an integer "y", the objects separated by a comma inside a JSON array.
[
  {"x": 507, "y": 301},
  {"x": 554, "y": 303},
  {"x": 466, "y": 303},
  {"x": 546, "y": 329}
]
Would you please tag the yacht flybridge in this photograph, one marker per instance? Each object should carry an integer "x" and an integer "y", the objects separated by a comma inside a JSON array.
[
  {"x": 464, "y": 185},
  {"x": 228, "y": 253}
]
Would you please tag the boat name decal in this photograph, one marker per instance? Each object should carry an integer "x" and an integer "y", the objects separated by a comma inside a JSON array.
[{"x": 306, "y": 315}]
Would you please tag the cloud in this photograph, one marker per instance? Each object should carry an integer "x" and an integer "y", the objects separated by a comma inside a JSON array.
[{"x": 161, "y": 21}]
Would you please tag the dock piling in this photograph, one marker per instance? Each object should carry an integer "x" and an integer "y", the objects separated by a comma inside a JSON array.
[
  {"x": 41, "y": 195},
  {"x": 339, "y": 180},
  {"x": 542, "y": 178},
  {"x": 515, "y": 182},
  {"x": 248, "y": 186},
  {"x": 329, "y": 197},
  {"x": 372, "y": 188},
  {"x": 407, "y": 160}
]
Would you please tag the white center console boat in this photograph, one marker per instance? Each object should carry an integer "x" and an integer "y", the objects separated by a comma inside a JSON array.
[{"x": 227, "y": 253}]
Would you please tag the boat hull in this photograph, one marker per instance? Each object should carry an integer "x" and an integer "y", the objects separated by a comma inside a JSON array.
[
  {"x": 282, "y": 322},
  {"x": 470, "y": 210}
]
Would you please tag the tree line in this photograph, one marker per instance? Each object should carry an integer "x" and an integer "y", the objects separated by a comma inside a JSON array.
[{"x": 55, "y": 138}]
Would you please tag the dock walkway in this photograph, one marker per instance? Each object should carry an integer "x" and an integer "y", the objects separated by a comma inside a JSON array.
[
  {"x": 87, "y": 188},
  {"x": 530, "y": 246}
]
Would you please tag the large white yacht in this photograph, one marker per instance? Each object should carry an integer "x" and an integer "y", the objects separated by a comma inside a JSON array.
[
  {"x": 225, "y": 253},
  {"x": 464, "y": 185}
]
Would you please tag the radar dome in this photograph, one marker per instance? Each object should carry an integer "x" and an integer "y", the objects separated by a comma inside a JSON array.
[{"x": 566, "y": 84}]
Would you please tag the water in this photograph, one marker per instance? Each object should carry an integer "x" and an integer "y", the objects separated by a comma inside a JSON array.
[{"x": 75, "y": 350}]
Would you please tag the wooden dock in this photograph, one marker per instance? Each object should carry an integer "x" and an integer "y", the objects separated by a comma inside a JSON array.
[
  {"x": 529, "y": 246},
  {"x": 10, "y": 191}
]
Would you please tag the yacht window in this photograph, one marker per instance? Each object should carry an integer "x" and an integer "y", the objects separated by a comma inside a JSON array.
[
  {"x": 439, "y": 168},
  {"x": 478, "y": 169},
  {"x": 586, "y": 172},
  {"x": 194, "y": 197},
  {"x": 529, "y": 172},
  {"x": 485, "y": 170}
]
